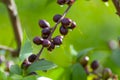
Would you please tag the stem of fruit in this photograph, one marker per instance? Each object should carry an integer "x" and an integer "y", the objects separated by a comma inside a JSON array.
[
  {"x": 117, "y": 6},
  {"x": 12, "y": 11},
  {"x": 53, "y": 29}
]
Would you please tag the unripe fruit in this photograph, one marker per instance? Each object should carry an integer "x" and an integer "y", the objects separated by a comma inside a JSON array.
[
  {"x": 94, "y": 65},
  {"x": 106, "y": 73},
  {"x": 66, "y": 22},
  {"x": 46, "y": 43},
  {"x": 57, "y": 17},
  {"x": 57, "y": 40},
  {"x": 70, "y": 2},
  {"x": 46, "y": 31},
  {"x": 32, "y": 58},
  {"x": 51, "y": 47},
  {"x": 61, "y": 2},
  {"x": 38, "y": 40},
  {"x": 63, "y": 30},
  {"x": 73, "y": 25},
  {"x": 84, "y": 61},
  {"x": 44, "y": 24}
]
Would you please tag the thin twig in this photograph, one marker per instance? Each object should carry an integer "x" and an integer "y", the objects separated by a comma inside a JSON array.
[
  {"x": 11, "y": 7},
  {"x": 53, "y": 29},
  {"x": 117, "y": 6},
  {"x": 6, "y": 48}
]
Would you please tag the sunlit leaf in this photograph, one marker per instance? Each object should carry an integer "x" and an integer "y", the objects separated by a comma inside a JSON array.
[{"x": 15, "y": 69}]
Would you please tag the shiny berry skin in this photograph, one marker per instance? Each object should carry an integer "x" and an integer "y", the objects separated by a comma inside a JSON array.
[
  {"x": 32, "y": 58},
  {"x": 105, "y": 0},
  {"x": 73, "y": 25},
  {"x": 63, "y": 30},
  {"x": 51, "y": 47},
  {"x": 57, "y": 40},
  {"x": 84, "y": 61},
  {"x": 61, "y": 2},
  {"x": 46, "y": 31},
  {"x": 44, "y": 24},
  {"x": 70, "y": 2},
  {"x": 57, "y": 17},
  {"x": 66, "y": 22},
  {"x": 37, "y": 40},
  {"x": 46, "y": 43},
  {"x": 94, "y": 65},
  {"x": 106, "y": 73},
  {"x": 25, "y": 64},
  {"x": 45, "y": 36}
]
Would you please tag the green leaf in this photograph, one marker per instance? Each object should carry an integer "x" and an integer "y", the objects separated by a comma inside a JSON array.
[
  {"x": 78, "y": 72},
  {"x": 84, "y": 52},
  {"x": 16, "y": 77},
  {"x": 116, "y": 56},
  {"x": 30, "y": 78},
  {"x": 15, "y": 69},
  {"x": 26, "y": 48},
  {"x": 41, "y": 65}
]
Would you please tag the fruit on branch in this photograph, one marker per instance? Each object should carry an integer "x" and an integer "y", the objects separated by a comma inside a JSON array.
[
  {"x": 58, "y": 40},
  {"x": 94, "y": 64},
  {"x": 46, "y": 43},
  {"x": 66, "y": 22},
  {"x": 63, "y": 30},
  {"x": 61, "y": 2},
  {"x": 32, "y": 58},
  {"x": 37, "y": 40},
  {"x": 107, "y": 73},
  {"x": 70, "y": 2},
  {"x": 25, "y": 64},
  {"x": 73, "y": 25},
  {"x": 84, "y": 61},
  {"x": 51, "y": 47},
  {"x": 46, "y": 31},
  {"x": 57, "y": 17},
  {"x": 44, "y": 24}
]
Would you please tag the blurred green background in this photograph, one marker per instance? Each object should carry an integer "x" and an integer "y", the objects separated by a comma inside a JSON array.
[{"x": 97, "y": 24}]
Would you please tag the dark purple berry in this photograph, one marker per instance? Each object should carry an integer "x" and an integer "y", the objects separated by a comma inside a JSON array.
[
  {"x": 63, "y": 30},
  {"x": 106, "y": 73},
  {"x": 94, "y": 65},
  {"x": 44, "y": 24},
  {"x": 105, "y": 0},
  {"x": 84, "y": 61},
  {"x": 38, "y": 40},
  {"x": 73, "y": 25},
  {"x": 51, "y": 47},
  {"x": 57, "y": 40},
  {"x": 32, "y": 58},
  {"x": 61, "y": 2},
  {"x": 66, "y": 22},
  {"x": 57, "y": 17},
  {"x": 45, "y": 36},
  {"x": 46, "y": 31},
  {"x": 46, "y": 43},
  {"x": 25, "y": 64},
  {"x": 70, "y": 2}
]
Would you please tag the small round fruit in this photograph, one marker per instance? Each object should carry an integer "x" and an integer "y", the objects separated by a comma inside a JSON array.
[
  {"x": 46, "y": 31},
  {"x": 46, "y": 43},
  {"x": 70, "y": 2},
  {"x": 106, "y": 73},
  {"x": 61, "y": 2},
  {"x": 51, "y": 47},
  {"x": 84, "y": 61},
  {"x": 45, "y": 36},
  {"x": 66, "y": 22},
  {"x": 57, "y": 40},
  {"x": 57, "y": 17},
  {"x": 32, "y": 58},
  {"x": 73, "y": 25},
  {"x": 37, "y": 40},
  {"x": 94, "y": 65},
  {"x": 25, "y": 64},
  {"x": 44, "y": 24},
  {"x": 63, "y": 30}
]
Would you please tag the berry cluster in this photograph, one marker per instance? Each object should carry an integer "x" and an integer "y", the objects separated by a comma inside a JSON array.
[
  {"x": 46, "y": 39},
  {"x": 104, "y": 74}
]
